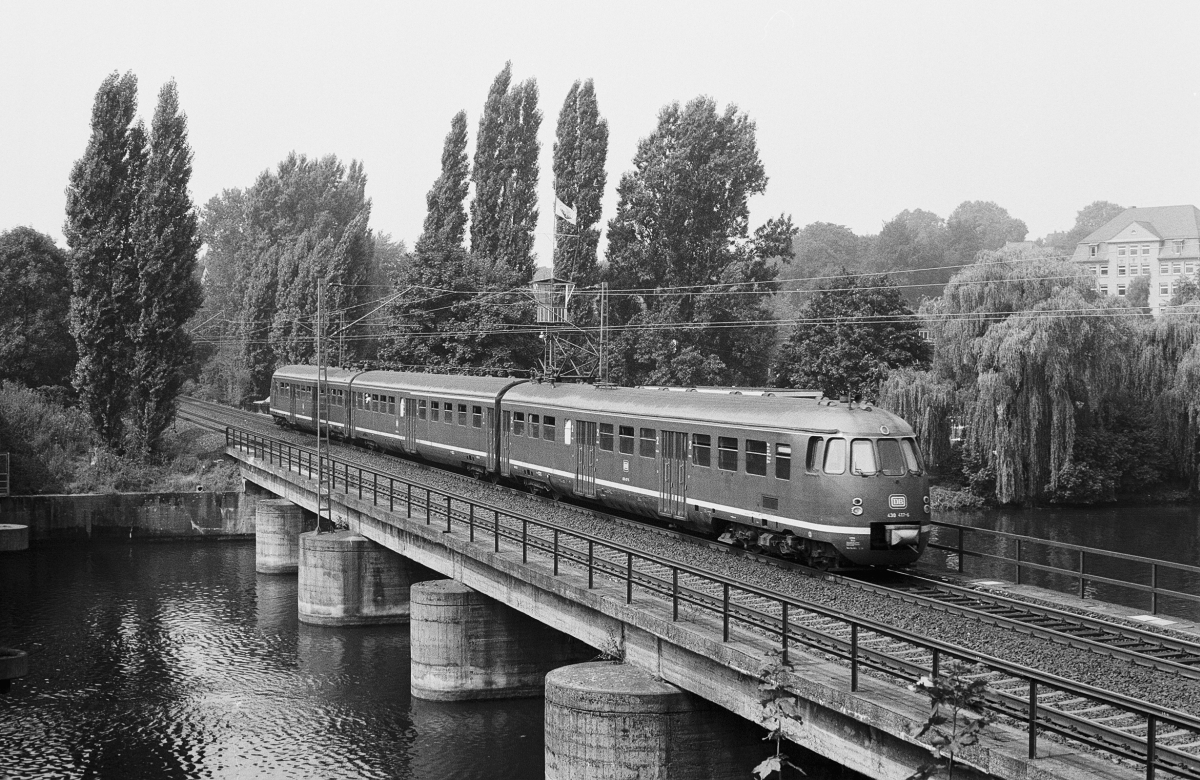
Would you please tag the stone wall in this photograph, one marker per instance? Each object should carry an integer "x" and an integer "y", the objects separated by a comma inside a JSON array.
[{"x": 134, "y": 515}]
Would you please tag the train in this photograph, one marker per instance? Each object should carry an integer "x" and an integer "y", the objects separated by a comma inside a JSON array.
[{"x": 829, "y": 483}]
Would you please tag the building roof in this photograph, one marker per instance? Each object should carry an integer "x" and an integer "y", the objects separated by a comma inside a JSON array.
[{"x": 1166, "y": 222}]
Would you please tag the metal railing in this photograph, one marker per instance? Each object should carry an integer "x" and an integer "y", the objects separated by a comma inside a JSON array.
[
  {"x": 755, "y": 612},
  {"x": 1083, "y": 557}
]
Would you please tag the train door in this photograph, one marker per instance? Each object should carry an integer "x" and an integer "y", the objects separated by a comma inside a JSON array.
[
  {"x": 293, "y": 389},
  {"x": 489, "y": 426},
  {"x": 410, "y": 424},
  {"x": 505, "y": 444},
  {"x": 585, "y": 458},
  {"x": 672, "y": 474}
]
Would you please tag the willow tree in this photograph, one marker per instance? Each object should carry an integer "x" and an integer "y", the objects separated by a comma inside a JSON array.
[
  {"x": 1032, "y": 351},
  {"x": 1166, "y": 373},
  {"x": 927, "y": 402}
]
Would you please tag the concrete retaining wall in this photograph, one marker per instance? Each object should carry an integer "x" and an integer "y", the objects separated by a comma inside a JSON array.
[{"x": 126, "y": 515}]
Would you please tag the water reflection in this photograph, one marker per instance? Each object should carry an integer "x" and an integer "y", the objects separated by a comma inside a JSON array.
[{"x": 1164, "y": 533}]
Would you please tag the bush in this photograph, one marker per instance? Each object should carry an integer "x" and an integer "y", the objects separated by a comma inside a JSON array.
[{"x": 46, "y": 440}]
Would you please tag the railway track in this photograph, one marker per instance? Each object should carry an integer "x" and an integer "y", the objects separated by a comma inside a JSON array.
[{"x": 1099, "y": 718}]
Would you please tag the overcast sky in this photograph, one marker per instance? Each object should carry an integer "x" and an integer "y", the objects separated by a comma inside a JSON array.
[{"x": 863, "y": 109}]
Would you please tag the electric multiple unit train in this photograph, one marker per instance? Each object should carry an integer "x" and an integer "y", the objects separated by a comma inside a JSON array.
[{"x": 827, "y": 483}]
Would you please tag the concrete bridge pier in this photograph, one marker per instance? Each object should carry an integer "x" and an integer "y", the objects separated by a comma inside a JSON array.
[
  {"x": 348, "y": 580},
  {"x": 606, "y": 721},
  {"x": 277, "y": 527},
  {"x": 465, "y": 645}
]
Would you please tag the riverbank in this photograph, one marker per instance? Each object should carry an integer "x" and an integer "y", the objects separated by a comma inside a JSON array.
[{"x": 162, "y": 515}]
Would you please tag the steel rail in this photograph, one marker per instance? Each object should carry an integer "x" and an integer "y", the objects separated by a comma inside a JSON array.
[{"x": 1129, "y": 743}]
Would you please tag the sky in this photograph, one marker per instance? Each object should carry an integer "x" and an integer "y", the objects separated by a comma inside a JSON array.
[{"x": 863, "y": 109}]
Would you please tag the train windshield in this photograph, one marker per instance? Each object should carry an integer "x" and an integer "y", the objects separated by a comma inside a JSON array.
[
  {"x": 912, "y": 455},
  {"x": 891, "y": 462},
  {"x": 862, "y": 457}
]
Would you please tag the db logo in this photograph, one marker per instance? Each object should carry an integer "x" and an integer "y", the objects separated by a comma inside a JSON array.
[{"x": 897, "y": 501}]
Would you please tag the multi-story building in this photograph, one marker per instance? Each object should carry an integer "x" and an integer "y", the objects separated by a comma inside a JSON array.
[{"x": 1160, "y": 242}]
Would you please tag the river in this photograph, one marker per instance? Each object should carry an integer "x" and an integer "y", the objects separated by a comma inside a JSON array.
[{"x": 176, "y": 660}]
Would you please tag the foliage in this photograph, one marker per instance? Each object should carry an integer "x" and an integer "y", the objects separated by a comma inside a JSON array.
[
  {"x": 101, "y": 206},
  {"x": 1087, "y": 220},
  {"x": 1139, "y": 294},
  {"x": 166, "y": 242},
  {"x": 504, "y": 212},
  {"x": 852, "y": 332},
  {"x": 580, "y": 152},
  {"x": 926, "y": 401},
  {"x": 682, "y": 231},
  {"x": 779, "y": 706},
  {"x": 915, "y": 242},
  {"x": 36, "y": 347},
  {"x": 978, "y": 225},
  {"x": 957, "y": 716},
  {"x": 44, "y": 439}
]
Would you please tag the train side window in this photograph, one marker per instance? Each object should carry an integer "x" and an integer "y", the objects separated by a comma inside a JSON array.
[
  {"x": 912, "y": 455},
  {"x": 891, "y": 462},
  {"x": 783, "y": 461},
  {"x": 534, "y": 423},
  {"x": 421, "y": 409},
  {"x": 646, "y": 443},
  {"x": 548, "y": 432},
  {"x": 518, "y": 428},
  {"x": 626, "y": 439},
  {"x": 462, "y": 414},
  {"x": 392, "y": 405},
  {"x": 477, "y": 416},
  {"x": 756, "y": 457},
  {"x": 835, "y": 456},
  {"x": 702, "y": 449},
  {"x": 606, "y": 437},
  {"x": 812, "y": 458},
  {"x": 434, "y": 406},
  {"x": 862, "y": 458},
  {"x": 727, "y": 453},
  {"x": 374, "y": 402}
]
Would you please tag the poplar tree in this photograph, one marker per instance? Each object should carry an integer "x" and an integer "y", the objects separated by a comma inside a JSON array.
[
  {"x": 166, "y": 243},
  {"x": 504, "y": 212},
  {"x": 102, "y": 197},
  {"x": 580, "y": 153}
]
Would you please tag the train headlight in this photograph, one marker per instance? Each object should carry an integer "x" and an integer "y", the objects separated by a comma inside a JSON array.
[
  {"x": 927, "y": 510},
  {"x": 857, "y": 502},
  {"x": 856, "y": 510}
]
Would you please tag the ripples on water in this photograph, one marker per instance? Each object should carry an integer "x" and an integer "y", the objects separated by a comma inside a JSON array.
[{"x": 176, "y": 660}]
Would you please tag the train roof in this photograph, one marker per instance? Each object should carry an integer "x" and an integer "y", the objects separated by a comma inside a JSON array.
[
  {"x": 488, "y": 387},
  {"x": 309, "y": 374},
  {"x": 776, "y": 412}
]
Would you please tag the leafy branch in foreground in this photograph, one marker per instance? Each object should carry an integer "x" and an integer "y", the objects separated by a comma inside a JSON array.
[
  {"x": 778, "y": 704},
  {"x": 956, "y": 717}
]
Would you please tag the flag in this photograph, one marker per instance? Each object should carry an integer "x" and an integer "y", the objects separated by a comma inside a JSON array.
[{"x": 563, "y": 210}]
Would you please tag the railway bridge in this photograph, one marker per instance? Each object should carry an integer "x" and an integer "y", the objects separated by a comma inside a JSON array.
[{"x": 699, "y": 639}]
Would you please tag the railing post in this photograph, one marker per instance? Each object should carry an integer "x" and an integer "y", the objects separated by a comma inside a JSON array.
[
  {"x": 524, "y": 540},
  {"x": 1018, "y": 562},
  {"x": 783, "y": 632},
  {"x": 1154, "y": 589},
  {"x": 961, "y": 547},
  {"x": 1151, "y": 740},
  {"x": 1082, "y": 566},
  {"x": 428, "y": 506},
  {"x": 674, "y": 593},
  {"x": 853, "y": 657},
  {"x": 471, "y": 522},
  {"x": 391, "y": 494},
  {"x": 725, "y": 614},
  {"x": 937, "y": 662},
  {"x": 555, "y": 552},
  {"x": 360, "y": 481},
  {"x": 496, "y": 528},
  {"x": 410, "y": 499},
  {"x": 447, "y": 514},
  {"x": 591, "y": 557},
  {"x": 375, "y": 488},
  {"x": 1032, "y": 725},
  {"x": 628, "y": 578}
]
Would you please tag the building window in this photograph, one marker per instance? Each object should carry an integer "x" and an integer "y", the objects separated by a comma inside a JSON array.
[
  {"x": 1121, "y": 251},
  {"x": 1104, "y": 289},
  {"x": 1145, "y": 269},
  {"x": 1146, "y": 249},
  {"x": 1178, "y": 247},
  {"x": 1190, "y": 268},
  {"x": 1120, "y": 270},
  {"x": 1093, "y": 248},
  {"x": 1121, "y": 290},
  {"x": 1176, "y": 268},
  {"x": 1104, "y": 270},
  {"x": 1164, "y": 289},
  {"x": 1164, "y": 268}
]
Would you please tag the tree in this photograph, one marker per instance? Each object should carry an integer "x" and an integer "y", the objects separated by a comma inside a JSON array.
[
  {"x": 852, "y": 332},
  {"x": 580, "y": 153},
  {"x": 166, "y": 242},
  {"x": 504, "y": 213},
  {"x": 446, "y": 217},
  {"x": 915, "y": 242},
  {"x": 1089, "y": 218},
  {"x": 977, "y": 225},
  {"x": 101, "y": 202},
  {"x": 36, "y": 347},
  {"x": 1139, "y": 293},
  {"x": 696, "y": 281}
]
